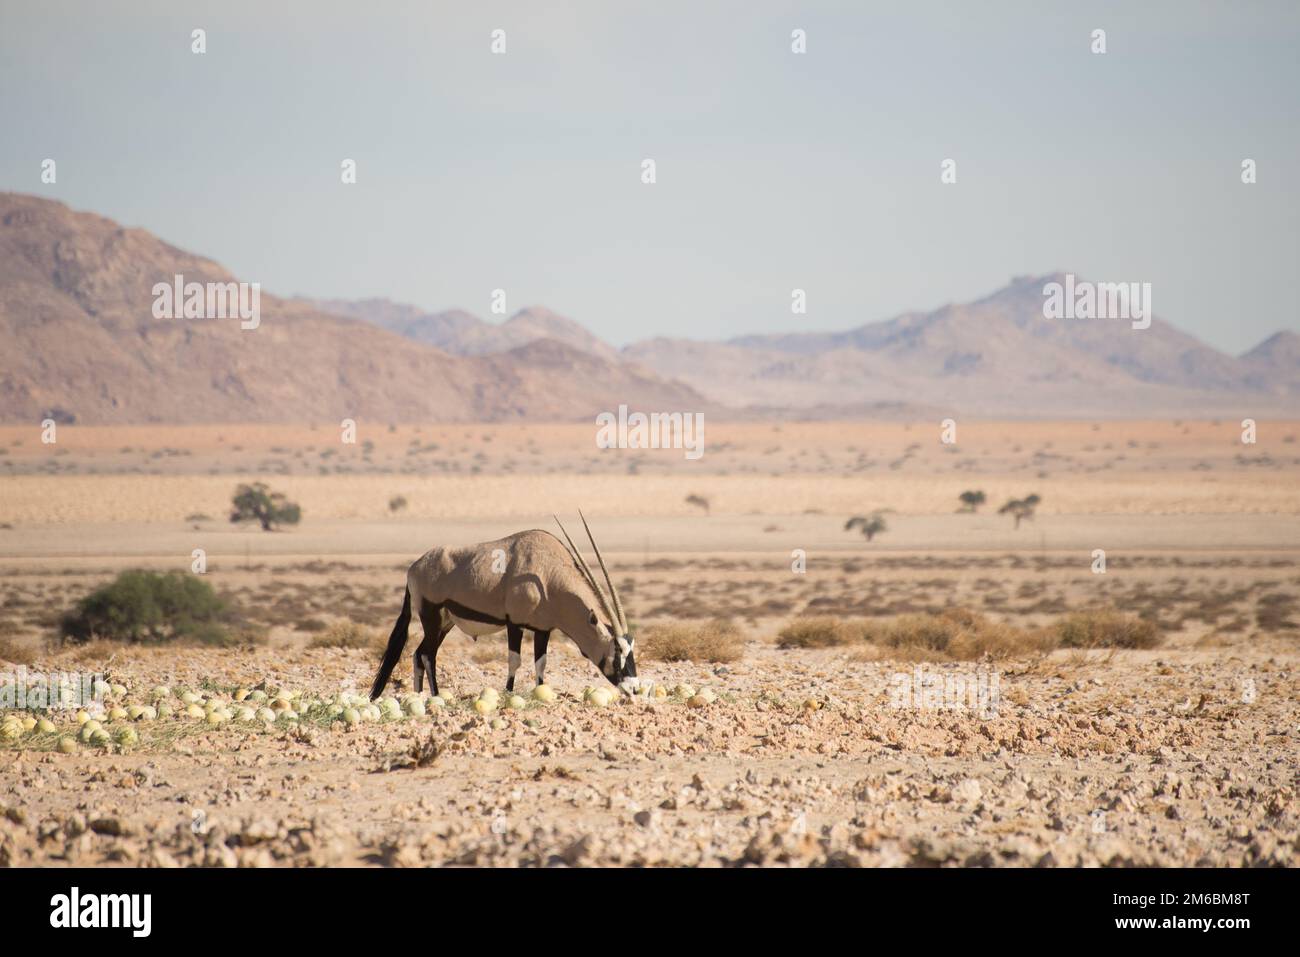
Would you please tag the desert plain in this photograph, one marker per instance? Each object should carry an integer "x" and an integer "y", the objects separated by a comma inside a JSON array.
[{"x": 1177, "y": 749}]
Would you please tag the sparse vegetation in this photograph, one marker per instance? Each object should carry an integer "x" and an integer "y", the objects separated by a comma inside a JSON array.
[
  {"x": 959, "y": 634},
  {"x": 820, "y": 632},
  {"x": 1106, "y": 628},
  {"x": 347, "y": 634},
  {"x": 147, "y": 607},
  {"x": 397, "y": 503},
  {"x": 257, "y": 503},
  {"x": 16, "y": 653},
  {"x": 1274, "y": 612},
  {"x": 963, "y": 634},
  {"x": 717, "y": 641},
  {"x": 971, "y": 500}
]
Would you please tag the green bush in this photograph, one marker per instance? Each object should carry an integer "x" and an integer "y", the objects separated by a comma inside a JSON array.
[{"x": 142, "y": 606}]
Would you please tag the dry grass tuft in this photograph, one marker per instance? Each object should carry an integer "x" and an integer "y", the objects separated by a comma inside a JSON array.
[
  {"x": 964, "y": 635},
  {"x": 820, "y": 632},
  {"x": 485, "y": 652},
  {"x": 958, "y": 634},
  {"x": 1274, "y": 613},
  {"x": 16, "y": 653},
  {"x": 1106, "y": 628},
  {"x": 348, "y": 634},
  {"x": 93, "y": 653},
  {"x": 717, "y": 641}
]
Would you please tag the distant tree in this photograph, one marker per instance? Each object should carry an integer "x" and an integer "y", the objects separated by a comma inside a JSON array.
[
  {"x": 257, "y": 503},
  {"x": 397, "y": 503},
  {"x": 970, "y": 501},
  {"x": 1021, "y": 508},
  {"x": 699, "y": 501},
  {"x": 870, "y": 525}
]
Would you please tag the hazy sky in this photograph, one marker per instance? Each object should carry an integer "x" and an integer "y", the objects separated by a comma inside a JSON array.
[{"x": 775, "y": 170}]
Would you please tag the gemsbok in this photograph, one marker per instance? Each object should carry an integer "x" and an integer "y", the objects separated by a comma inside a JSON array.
[{"x": 528, "y": 580}]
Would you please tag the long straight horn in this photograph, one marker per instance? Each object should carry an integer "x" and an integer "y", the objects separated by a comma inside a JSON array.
[
  {"x": 613, "y": 592},
  {"x": 585, "y": 569}
]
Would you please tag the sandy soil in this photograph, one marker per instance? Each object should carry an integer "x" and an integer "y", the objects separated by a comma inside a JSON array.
[{"x": 1188, "y": 753}]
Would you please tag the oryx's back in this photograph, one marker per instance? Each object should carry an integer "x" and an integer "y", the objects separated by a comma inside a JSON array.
[{"x": 506, "y": 579}]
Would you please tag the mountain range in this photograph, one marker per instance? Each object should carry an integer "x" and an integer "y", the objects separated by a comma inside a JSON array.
[{"x": 81, "y": 342}]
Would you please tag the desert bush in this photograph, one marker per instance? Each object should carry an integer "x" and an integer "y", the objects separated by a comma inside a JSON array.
[
  {"x": 716, "y": 641},
  {"x": 957, "y": 634},
  {"x": 1274, "y": 612},
  {"x": 143, "y": 606},
  {"x": 347, "y": 634},
  {"x": 397, "y": 503},
  {"x": 1106, "y": 628},
  {"x": 820, "y": 632},
  {"x": 487, "y": 652},
  {"x": 15, "y": 652},
  {"x": 971, "y": 500},
  {"x": 960, "y": 634},
  {"x": 257, "y": 503}
]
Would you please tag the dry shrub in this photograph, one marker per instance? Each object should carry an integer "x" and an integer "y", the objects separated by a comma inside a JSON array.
[
  {"x": 17, "y": 653},
  {"x": 716, "y": 641},
  {"x": 487, "y": 652},
  {"x": 346, "y": 633},
  {"x": 93, "y": 653},
  {"x": 1274, "y": 612},
  {"x": 958, "y": 634},
  {"x": 820, "y": 632},
  {"x": 961, "y": 634},
  {"x": 1106, "y": 628}
]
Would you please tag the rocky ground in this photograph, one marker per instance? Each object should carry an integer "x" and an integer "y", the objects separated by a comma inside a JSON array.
[{"x": 1176, "y": 756}]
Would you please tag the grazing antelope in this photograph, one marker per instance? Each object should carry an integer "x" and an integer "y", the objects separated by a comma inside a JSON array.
[{"x": 525, "y": 580}]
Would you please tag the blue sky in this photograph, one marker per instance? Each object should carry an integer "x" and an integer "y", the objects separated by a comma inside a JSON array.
[{"x": 775, "y": 171}]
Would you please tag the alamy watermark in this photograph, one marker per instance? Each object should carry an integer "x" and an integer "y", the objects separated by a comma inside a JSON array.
[
  {"x": 211, "y": 300},
  {"x": 38, "y": 690},
  {"x": 1098, "y": 300},
  {"x": 75, "y": 909},
  {"x": 925, "y": 690},
  {"x": 655, "y": 430}
]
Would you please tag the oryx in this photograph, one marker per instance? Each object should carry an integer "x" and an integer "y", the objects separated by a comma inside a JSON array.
[{"x": 525, "y": 580}]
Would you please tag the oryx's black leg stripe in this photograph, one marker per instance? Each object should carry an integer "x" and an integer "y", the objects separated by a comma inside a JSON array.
[
  {"x": 540, "y": 640},
  {"x": 514, "y": 641}
]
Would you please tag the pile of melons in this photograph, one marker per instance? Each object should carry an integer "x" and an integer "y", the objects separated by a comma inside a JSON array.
[{"x": 116, "y": 713}]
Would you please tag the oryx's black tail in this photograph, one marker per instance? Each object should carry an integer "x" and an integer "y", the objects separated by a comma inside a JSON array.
[{"x": 396, "y": 642}]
